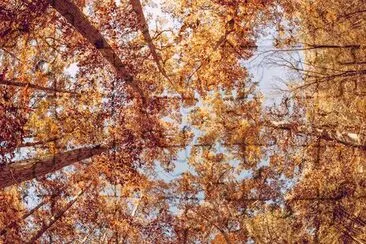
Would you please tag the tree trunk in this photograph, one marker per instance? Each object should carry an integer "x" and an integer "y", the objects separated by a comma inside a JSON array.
[
  {"x": 349, "y": 139},
  {"x": 144, "y": 28},
  {"x": 80, "y": 22},
  {"x": 28, "y": 169}
]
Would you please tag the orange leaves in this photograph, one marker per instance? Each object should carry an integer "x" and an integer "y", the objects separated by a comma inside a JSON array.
[
  {"x": 175, "y": 143},
  {"x": 11, "y": 209}
]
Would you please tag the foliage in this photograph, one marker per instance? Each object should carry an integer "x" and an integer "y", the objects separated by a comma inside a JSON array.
[{"x": 138, "y": 122}]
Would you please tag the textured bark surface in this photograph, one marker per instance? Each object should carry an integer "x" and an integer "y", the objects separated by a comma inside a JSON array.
[
  {"x": 349, "y": 139},
  {"x": 78, "y": 20},
  {"x": 28, "y": 169},
  {"x": 144, "y": 28}
]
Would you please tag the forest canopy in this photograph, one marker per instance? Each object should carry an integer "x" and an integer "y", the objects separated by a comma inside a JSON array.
[{"x": 130, "y": 121}]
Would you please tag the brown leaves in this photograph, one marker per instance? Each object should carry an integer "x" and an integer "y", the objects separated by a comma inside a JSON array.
[{"x": 165, "y": 134}]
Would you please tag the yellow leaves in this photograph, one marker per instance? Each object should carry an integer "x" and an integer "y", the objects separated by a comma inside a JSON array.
[
  {"x": 203, "y": 65},
  {"x": 240, "y": 134},
  {"x": 213, "y": 157},
  {"x": 331, "y": 16},
  {"x": 361, "y": 106},
  {"x": 11, "y": 209},
  {"x": 253, "y": 154},
  {"x": 216, "y": 56},
  {"x": 42, "y": 123}
]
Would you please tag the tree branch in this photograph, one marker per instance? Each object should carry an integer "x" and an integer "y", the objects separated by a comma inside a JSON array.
[{"x": 28, "y": 169}]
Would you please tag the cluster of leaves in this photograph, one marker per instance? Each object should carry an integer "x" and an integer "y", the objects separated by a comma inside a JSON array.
[{"x": 149, "y": 129}]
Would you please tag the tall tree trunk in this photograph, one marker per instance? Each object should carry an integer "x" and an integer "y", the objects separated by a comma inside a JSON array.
[
  {"x": 80, "y": 22},
  {"x": 28, "y": 169},
  {"x": 144, "y": 28},
  {"x": 349, "y": 139}
]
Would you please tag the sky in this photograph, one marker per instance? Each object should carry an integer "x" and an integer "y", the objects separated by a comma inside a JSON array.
[{"x": 268, "y": 76}]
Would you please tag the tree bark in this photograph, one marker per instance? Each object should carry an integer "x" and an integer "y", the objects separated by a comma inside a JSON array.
[
  {"x": 349, "y": 139},
  {"x": 28, "y": 169},
  {"x": 80, "y": 22},
  {"x": 144, "y": 28}
]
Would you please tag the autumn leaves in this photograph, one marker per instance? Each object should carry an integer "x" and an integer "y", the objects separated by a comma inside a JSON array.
[{"x": 166, "y": 125}]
